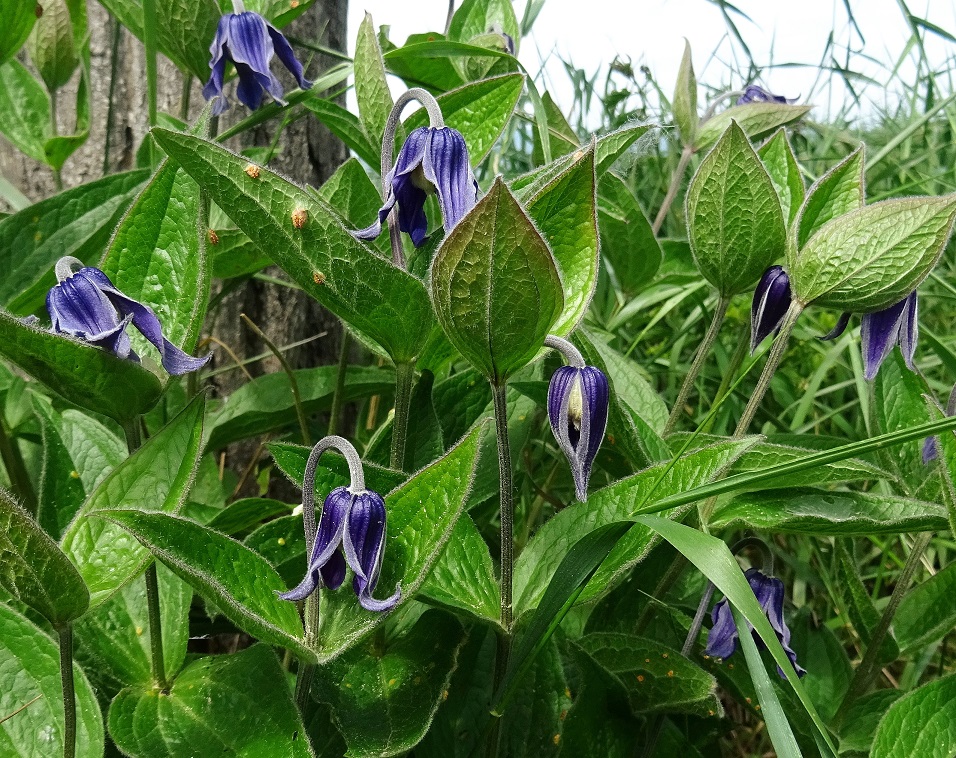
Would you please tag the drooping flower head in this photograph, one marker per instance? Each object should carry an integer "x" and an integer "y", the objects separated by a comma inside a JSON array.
[
  {"x": 86, "y": 305},
  {"x": 351, "y": 533},
  {"x": 431, "y": 160},
  {"x": 770, "y": 305},
  {"x": 723, "y": 638},
  {"x": 249, "y": 41},
  {"x": 578, "y": 398},
  {"x": 881, "y": 330},
  {"x": 755, "y": 94},
  {"x": 931, "y": 444}
]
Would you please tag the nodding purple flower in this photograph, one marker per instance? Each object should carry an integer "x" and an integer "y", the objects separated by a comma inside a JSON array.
[
  {"x": 881, "y": 330},
  {"x": 353, "y": 523},
  {"x": 577, "y": 409},
  {"x": 722, "y": 640},
  {"x": 249, "y": 41},
  {"x": 433, "y": 159},
  {"x": 771, "y": 303},
  {"x": 755, "y": 94},
  {"x": 86, "y": 305}
]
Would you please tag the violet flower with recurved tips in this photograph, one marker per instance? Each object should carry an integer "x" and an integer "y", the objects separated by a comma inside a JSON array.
[
  {"x": 755, "y": 94},
  {"x": 86, "y": 305},
  {"x": 431, "y": 160},
  {"x": 249, "y": 41},
  {"x": 722, "y": 640},
  {"x": 578, "y": 397},
  {"x": 351, "y": 533}
]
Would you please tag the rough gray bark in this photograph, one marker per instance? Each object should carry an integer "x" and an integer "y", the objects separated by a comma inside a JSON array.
[{"x": 307, "y": 152}]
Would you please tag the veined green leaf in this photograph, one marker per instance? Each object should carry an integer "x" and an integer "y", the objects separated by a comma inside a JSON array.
[
  {"x": 18, "y": 19},
  {"x": 371, "y": 88},
  {"x": 756, "y": 119},
  {"x": 684, "y": 102},
  {"x": 922, "y": 722},
  {"x": 840, "y": 190},
  {"x": 784, "y": 171}
]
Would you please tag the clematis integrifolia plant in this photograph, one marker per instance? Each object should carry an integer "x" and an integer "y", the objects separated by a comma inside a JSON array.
[
  {"x": 434, "y": 158},
  {"x": 770, "y": 305},
  {"x": 577, "y": 409},
  {"x": 351, "y": 533},
  {"x": 86, "y": 305},
  {"x": 250, "y": 42}
]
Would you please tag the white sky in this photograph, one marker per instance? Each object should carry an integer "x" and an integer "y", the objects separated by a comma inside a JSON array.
[{"x": 650, "y": 32}]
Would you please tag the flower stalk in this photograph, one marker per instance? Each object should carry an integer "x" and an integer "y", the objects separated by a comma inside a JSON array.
[
  {"x": 404, "y": 377},
  {"x": 65, "y": 635}
]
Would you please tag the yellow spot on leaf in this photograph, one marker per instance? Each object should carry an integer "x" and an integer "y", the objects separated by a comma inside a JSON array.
[{"x": 252, "y": 171}]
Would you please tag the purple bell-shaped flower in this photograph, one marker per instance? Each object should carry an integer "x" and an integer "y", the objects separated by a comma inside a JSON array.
[
  {"x": 771, "y": 303},
  {"x": 755, "y": 94},
  {"x": 723, "y": 638},
  {"x": 249, "y": 41},
  {"x": 433, "y": 159},
  {"x": 86, "y": 305}
]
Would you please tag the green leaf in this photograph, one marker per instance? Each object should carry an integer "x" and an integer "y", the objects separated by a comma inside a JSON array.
[
  {"x": 926, "y": 613},
  {"x": 371, "y": 88},
  {"x": 539, "y": 560},
  {"x": 18, "y": 19},
  {"x": 347, "y": 127},
  {"x": 76, "y": 222},
  {"x": 266, "y": 404},
  {"x": 24, "y": 110},
  {"x": 475, "y": 17},
  {"x": 858, "y": 605},
  {"x": 383, "y": 698},
  {"x": 113, "y": 639},
  {"x": 838, "y": 191},
  {"x": 463, "y": 577},
  {"x": 820, "y": 512},
  {"x": 736, "y": 226},
  {"x": 332, "y": 471},
  {"x": 351, "y": 193},
  {"x": 627, "y": 240},
  {"x": 279, "y": 12},
  {"x": 282, "y": 543},
  {"x": 922, "y": 722},
  {"x": 422, "y": 62},
  {"x": 684, "y": 103},
  {"x": 383, "y": 303},
  {"x": 421, "y": 517},
  {"x": 655, "y": 677},
  {"x": 184, "y": 30},
  {"x": 766, "y": 454},
  {"x": 480, "y": 111},
  {"x": 155, "y": 477},
  {"x": 561, "y": 135},
  {"x": 784, "y": 171},
  {"x": 247, "y": 513},
  {"x": 83, "y": 374},
  {"x": 239, "y": 582},
  {"x": 821, "y": 653},
  {"x": 58, "y": 148},
  {"x": 565, "y": 213},
  {"x": 233, "y": 254},
  {"x": 862, "y": 719},
  {"x": 871, "y": 258},
  {"x": 158, "y": 255},
  {"x": 235, "y": 704},
  {"x": 757, "y": 120},
  {"x": 715, "y": 561},
  {"x": 30, "y": 661},
  {"x": 496, "y": 289},
  {"x": 51, "y": 46},
  {"x": 35, "y": 570}
]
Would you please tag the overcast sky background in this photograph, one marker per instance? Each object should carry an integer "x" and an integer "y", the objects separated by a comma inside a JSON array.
[{"x": 650, "y": 32}]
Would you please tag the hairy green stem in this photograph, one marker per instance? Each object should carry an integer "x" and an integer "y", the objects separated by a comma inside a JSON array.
[
  {"x": 506, "y": 490},
  {"x": 17, "y": 470},
  {"x": 685, "y": 156},
  {"x": 773, "y": 361},
  {"x": 404, "y": 376},
  {"x": 184, "y": 97},
  {"x": 736, "y": 360},
  {"x": 720, "y": 311},
  {"x": 338, "y": 394},
  {"x": 155, "y": 628},
  {"x": 151, "y": 45},
  {"x": 69, "y": 693},
  {"x": 110, "y": 104},
  {"x": 293, "y": 384},
  {"x": 863, "y": 676}
]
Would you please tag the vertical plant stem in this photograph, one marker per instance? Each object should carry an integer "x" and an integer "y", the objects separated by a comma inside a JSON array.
[
  {"x": 110, "y": 104},
  {"x": 773, "y": 361},
  {"x": 306, "y": 672},
  {"x": 685, "y": 156},
  {"x": 293, "y": 384},
  {"x": 700, "y": 357},
  {"x": 17, "y": 470},
  {"x": 506, "y": 489},
  {"x": 150, "y": 43},
  {"x": 863, "y": 676},
  {"x": 184, "y": 97},
  {"x": 337, "y": 396},
  {"x": 57, "y": 175},
  {"x": 155, "y": 628},
  {"x": 69, "y": 694},
  {"x": 404, "y": 376},
  {"x": 736, "y": 360}
]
